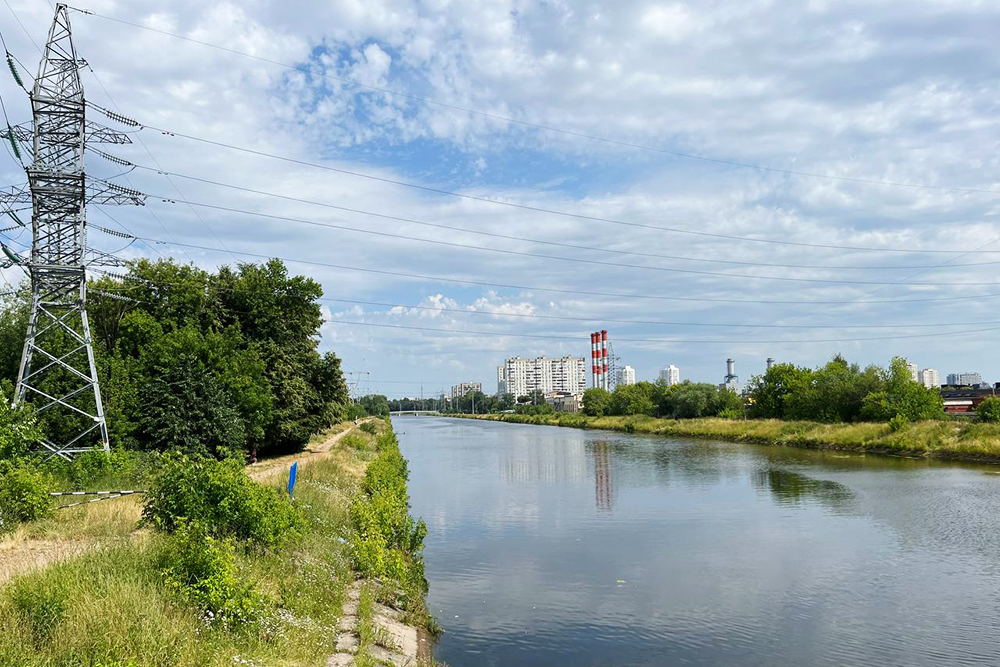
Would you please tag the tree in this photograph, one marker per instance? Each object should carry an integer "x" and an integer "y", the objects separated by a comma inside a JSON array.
[
  {"x": 902, "y": 396},
  {"x": 689, "y": 400},
  {"x": 634, "y": 399},
  {"x": 989, "y": 410},
  {"x": 768, "y": 392},
  {"x": 375, "y": 404},
  {"x": 596, "y": 401}
]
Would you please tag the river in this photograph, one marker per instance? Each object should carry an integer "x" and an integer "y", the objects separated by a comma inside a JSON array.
[{"x": 569, "y": 548}]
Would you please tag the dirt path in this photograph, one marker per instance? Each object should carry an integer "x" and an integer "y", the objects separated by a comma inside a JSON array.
[{"x": 268, "y": 469}]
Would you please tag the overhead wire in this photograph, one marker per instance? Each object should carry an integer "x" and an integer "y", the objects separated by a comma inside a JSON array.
[
  {"x": 620, "y": 295},
  {"x": 594, "y": 262},
  {"x": 573, "y": 246},
  {"x": 547, "y": 210},
  {"x": 540, "y": 126}
]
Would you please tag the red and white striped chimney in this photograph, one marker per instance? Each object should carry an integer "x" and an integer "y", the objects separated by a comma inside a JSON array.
[
  {"x": 593, "y": 360},
  {"x": 604, "y": 359}
]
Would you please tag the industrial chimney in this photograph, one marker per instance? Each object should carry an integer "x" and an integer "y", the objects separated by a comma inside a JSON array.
[
  {"x": 770, "y": 362},
  {"x": 730, "y": 368}
]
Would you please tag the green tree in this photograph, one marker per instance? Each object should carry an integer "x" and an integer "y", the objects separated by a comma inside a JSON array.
[
  {"x": 767, "y": 393},
  {"x": 633, "y": 399},
  {"x": 375, "y": 404},
  {"x": 989, "y": 410},
  {"x": 596, "y": 401},
  {"x": 902, "y": 396}
]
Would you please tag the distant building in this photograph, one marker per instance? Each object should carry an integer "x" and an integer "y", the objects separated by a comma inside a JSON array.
[
  {"x": 929, "y": 378},
  {"x": 964, "y": 379},
  {"x": 522, "y": 377},
  {"x": 460, "y": 390},
  {"x": 965, "y": 401},
  {"x": 913, "y": 371},
  {"x": 731, "y": 381},
  {"x": 671, "y": 375},
  {"x": 564, "y": 401},
  {"x": 625, "y": 375}
]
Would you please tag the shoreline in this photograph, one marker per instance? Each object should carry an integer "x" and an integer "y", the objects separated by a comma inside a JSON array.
[{"x": 938, "y": 440}]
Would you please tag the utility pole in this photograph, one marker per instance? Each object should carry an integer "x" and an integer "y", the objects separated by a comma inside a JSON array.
[{"x": 58, "y": 374}]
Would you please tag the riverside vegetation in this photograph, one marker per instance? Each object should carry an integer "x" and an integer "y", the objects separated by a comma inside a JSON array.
[
  {"x": 836, "y": 406},
  {"x": 226, "y": 570}
]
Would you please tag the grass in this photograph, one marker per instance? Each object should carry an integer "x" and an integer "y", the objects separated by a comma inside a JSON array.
[
  {"x": 108, "y": 606},
  {"x": 967, "y": 441}
]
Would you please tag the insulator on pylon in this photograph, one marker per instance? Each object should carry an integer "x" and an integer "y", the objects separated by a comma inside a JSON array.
[
  {"x": 13, "y": 142},
  {"x": 13, "y": 256},
  {"x": 13, "y": 216},
  {"x": 115, "y": 116},
  {"x": 113, "y": 158},
  {"x": 13, "y": 70}
]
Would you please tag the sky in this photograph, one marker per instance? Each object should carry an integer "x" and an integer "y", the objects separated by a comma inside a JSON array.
[{"x": 575, "y": 195}]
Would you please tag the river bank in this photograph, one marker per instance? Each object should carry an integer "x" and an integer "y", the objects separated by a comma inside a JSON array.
[
  {"x": 947, "y": 440},
  {"x": 116, "y": 601}
]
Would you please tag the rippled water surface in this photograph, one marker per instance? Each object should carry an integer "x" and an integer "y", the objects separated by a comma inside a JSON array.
[{"x": 560, "y": 547}]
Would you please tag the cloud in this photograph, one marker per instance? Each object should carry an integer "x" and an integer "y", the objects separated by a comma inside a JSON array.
[{"x": 853, "y": 90}]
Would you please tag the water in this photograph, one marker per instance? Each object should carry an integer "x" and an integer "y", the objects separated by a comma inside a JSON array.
[{"x": 560, "y": 547}]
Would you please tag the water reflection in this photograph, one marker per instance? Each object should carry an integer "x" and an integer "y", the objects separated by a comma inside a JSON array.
[
  {"x": 604, "y": 489},
  {"x": 792, "y": 488},
  {"x": 564, "y": 548}
]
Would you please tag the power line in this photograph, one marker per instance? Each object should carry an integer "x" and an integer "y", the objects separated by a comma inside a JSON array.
[
  {"x": 519, "y": 253},
  {"x": 619, "y": 295},
  {"x": 531, "y": 240},
  {"x": 592, "y": 319},
  {"x": 540, "y": 209},
  {"x": 578, "y": 338},
  {"x": 549, "y": 128}
]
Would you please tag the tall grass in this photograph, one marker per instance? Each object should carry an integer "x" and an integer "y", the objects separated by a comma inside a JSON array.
[{"x": 112, "y": 606}]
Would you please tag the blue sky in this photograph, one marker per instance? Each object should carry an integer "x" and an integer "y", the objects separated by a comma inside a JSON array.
[{"x": 877, "y": 91}]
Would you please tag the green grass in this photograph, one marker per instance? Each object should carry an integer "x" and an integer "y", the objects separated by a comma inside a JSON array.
[
  {"x": 110, "y": 606},
  {"x": 933, "y": 439}
]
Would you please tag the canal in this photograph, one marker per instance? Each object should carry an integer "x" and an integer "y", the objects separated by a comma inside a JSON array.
[{"x": 562, "y": 547}]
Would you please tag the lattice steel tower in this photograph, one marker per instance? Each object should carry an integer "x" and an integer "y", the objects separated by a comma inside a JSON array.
[{"x": 58, "y": 374}]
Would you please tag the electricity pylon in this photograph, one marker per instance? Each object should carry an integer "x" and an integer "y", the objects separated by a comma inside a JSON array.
[{"x": 58, "y": 374}]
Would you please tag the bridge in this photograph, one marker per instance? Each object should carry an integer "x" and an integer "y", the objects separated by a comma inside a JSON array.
[{"x": 415, "y": 413}]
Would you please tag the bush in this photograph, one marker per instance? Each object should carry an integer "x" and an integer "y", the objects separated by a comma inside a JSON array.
[
  {"x": 370, "y": 427},
  {"x": 731, "y": 413},
  {"x": 386, "y": 542},
  {"x": 898, "y": 423},
  {"x": 220, "y": 495},
  {"x": 989, "y": 409},
  {"x": 201, "y": 570},
  {"x": 24, "y": 495}
]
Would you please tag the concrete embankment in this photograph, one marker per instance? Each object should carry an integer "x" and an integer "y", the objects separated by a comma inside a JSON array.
[{"x": 947, "y": 440}]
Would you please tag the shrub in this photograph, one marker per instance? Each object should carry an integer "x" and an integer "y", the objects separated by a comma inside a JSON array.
[
  {"x": 220, "y": 495},
  {"x": 201, "y": 570},
  {"x": 989, "y": 410},
  {"x": 370, "y": 427},
  {"x": 386, "y": 542},
  {"x": 731, "y": 413},
  {"x": 24, "y": 495},
  {"x": 898, "y": 423}
]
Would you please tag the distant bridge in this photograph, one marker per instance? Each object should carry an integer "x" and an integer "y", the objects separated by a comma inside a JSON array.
[{"x": 415, "y": 413}]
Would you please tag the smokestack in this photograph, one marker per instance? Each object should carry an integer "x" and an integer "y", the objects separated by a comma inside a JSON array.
[
  {"x": 604, "y": 359},
  {"x": 593, "y": 360},
  {"x": 770, "y": 362},
  {"x": 731, "y": 367}
]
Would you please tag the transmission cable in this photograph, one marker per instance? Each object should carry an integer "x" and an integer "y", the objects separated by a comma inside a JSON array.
[
  {"x": 540, "y": 209},
  {"x": 572, "y": 246},
  {"x": 547, "y": 128},
  {"x": 619, "y": 295},
  {"x": 465, "y": 246}
]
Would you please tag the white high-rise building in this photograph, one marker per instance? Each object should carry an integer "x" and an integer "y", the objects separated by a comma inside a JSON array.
[
  {"x": 671, "y": 375},
  {"x": 520, "y": 376},
  {"x": 913, "y": 371},
  {"x": 626, "y": 375},
  {"x": 929, "y": 378},
  {"x": 460, "y": 390}
]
